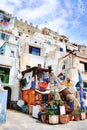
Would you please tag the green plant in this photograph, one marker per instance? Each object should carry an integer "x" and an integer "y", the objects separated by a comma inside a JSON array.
[
  {"x": 5, "y": 79},
  {"x": 82, "y": 110},
  {"x": 61, "y": 102},
  {"x": 77, "y": 113},
  {"x": 51, "y": 112}
]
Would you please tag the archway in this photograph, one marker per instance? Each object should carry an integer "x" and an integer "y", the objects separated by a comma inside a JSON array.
[{"x": 9, "y": 96}]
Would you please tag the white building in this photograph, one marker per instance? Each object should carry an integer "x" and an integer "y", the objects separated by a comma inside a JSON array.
[
  {"x": 9, "y": 62},
  {"x": 40, "y": 50},
  {"x": 75, "y": 59}
]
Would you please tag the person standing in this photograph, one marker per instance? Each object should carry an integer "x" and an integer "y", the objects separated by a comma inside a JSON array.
[{"x": 84, "y": 102}]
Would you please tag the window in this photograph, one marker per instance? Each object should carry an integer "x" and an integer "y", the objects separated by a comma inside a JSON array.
[
  {"x": 85, "y": 84},
  {"x": 66, "y": 41},
  {"x": 61, "y": 49},
  {"x": 35, "y": 41},
  {"x": 4, "y": 74},
  {"x": 39, "y": 65},
  {"x": 34, "y": 50},
  {"x": 16, "y": 38},
  {"x": 12, "y": 53},
  {"x": 63, "y": 67},
  {"x": 85, "y": 65},
  {"x": 28, "y": 67},
  {"x": 61, "y": 40},
  {"x": 19, "y": 33},
  {"x": 28, "y": 30},
  {"x": 4, "y": 36}
]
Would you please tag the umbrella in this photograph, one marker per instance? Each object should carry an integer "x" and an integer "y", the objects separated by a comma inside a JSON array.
[{"x": 81, "y": 87}]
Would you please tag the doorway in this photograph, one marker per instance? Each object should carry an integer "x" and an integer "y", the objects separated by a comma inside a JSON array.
[{"x": 8, "y": 96}]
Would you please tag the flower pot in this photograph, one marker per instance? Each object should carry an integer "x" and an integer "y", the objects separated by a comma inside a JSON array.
[
  {"x": 76, "y": 117},
  {"x": 86, "y": 115},
  {"x": 43, "y": 118},
  {"x": 64, "y": 119},
  {"x": 53, "y": 119},
  {"x": 70, "y": 117},
  {"x": 83, "y": 116}
]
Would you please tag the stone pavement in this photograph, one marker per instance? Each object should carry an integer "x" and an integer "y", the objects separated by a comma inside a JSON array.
[{"x": 19, "y": 121}]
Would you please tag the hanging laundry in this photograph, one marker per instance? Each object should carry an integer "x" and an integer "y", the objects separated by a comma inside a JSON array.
[
  {"x": 28, "y": 77},
  {"x": 42, "y": 85},
  {"x": 1, "y": 22},
  {"x": 5, "y": 23}
]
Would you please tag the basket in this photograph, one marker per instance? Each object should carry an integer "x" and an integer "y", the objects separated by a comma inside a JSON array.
[{"x": 64, "y": 119}]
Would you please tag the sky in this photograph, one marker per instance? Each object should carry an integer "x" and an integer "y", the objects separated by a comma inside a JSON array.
[{"x": 67, "y": 17}]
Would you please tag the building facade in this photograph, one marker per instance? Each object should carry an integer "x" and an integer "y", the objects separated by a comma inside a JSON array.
[
  {"x": 75, "y": 59},
  {"x": 24, "y": 46},
  {"x": 9, "y": 57}
]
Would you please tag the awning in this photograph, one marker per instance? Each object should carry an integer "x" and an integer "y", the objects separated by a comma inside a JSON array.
[{"x": 43, "y": 92}]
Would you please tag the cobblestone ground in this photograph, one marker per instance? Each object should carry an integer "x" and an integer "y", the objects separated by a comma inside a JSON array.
[{"x": 19, "y": 121}]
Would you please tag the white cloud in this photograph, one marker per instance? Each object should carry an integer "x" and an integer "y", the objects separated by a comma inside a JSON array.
[
  {"x": 46, "y": 8},
  {"x": 4, "y": 5},
  {"x": 14, "y": 2},
  {"x": 60, "y": 16},
  {"x": 59, "y": 25}
]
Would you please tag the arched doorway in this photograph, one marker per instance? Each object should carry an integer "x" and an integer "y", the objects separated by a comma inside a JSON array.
[{"x": 9, "y": 96}]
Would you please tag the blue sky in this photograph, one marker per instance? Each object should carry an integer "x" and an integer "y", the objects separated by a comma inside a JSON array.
[{"x": 67, "y": 17}]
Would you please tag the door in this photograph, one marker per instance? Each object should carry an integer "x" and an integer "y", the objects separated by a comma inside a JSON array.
[{"x": 8, "y": 96}]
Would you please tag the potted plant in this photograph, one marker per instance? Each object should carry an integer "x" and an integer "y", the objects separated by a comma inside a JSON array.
[
  {"x": 43, "y": 116},
  {"x": 63, "y": 118},
  {"x": 53, "y": 116},
  {"x": 76, "y": 115},
  {"x": 53, "y": 112},
  {"x": 86, "y": 115}
]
